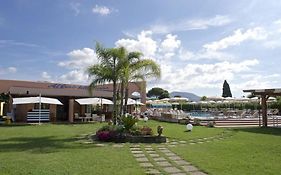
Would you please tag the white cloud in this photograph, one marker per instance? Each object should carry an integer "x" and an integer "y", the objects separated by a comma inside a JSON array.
[
  {"x": 188, "y": 24},
  {"x": 170, "y": 43},
  {"x": 7, "y": 70},
  {"x": 75, "y": 6},
  {"x": 4, "y": 43},
  {"x": 80, "y": 59},
  {"x": 75, "y": 76},
  {"x": 12, "y": 69},
  {"x": 257, "y": 33},
  {"x": 143, "y": 43},
  {"x": 103, "y": 10},
  {"x": 202, "y": 76},
  {"x": 46, "y": 76}
]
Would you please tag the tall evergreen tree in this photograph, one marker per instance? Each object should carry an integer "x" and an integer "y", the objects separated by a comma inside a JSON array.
[{"x": 226, "y": 90}]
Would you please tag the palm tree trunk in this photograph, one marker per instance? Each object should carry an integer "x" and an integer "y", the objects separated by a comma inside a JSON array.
[
  {"x": 126, "y": 98},
  {"x": 122, "y": 98},
  {"x": 114, "y": 103}
]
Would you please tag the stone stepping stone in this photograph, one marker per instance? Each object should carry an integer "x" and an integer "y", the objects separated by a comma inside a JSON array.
[
  {"x": 151, "y": 152},
  {"x": 189, "y": 168},
  {"x": 192, "y": 143},
  {"x": 135, "y": 149},
  {"x": 165, "y": 151},
  {"x": 154, "y": 155},
  {"x": 136, "y": 152},
  {"x": 142, "y": 159},
  {"x": 89, "y": 142},
  {"x": 178, "y": 174},
  {"x": 164, "y": 164},
  {"x": 139, "y": 155},
  {"x": 172, "y": 170},
  {"x": 174, "y": 143},
  {"x": 181, "y": 162},
  {"x": 171, "y": 145},
  {"x": 182, "y": 141},
  {"x": 148, "y": 149},
  {"x": 146, "y": 165},
  {"x": 158, "y": 159},
  {"x": 170, "y": 154},
  {"x": 136, "y": 145},
  {"x": 197, "y": 173},
  {"x": 175, "y": 158},
  {"x": 200, "y": 142},
  {"x": 162, "y": 148},
  {"x": 153, "y": 171},
  {"x": 100, "y": 144}
]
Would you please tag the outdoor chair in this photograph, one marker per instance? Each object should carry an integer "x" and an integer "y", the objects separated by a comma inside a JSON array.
[{"x": 76, "y": 117}]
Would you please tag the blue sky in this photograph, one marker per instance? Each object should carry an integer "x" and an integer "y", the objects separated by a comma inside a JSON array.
[{"x": 198, "y": 43}]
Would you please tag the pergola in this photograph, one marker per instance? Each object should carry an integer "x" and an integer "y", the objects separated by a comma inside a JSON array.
[{"x": 264, "y": 94}]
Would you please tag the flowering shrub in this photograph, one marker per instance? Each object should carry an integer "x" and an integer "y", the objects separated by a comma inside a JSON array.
[
  {"x": 104, "y": 135},
  {"x": 109, "y": 132}
]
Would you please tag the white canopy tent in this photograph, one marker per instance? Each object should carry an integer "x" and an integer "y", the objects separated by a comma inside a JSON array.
[
  {"x": 133, "y": 102},
  {"x": 93, "y": 101},
  {"x": 29, "y": 100},
  {"x": 40, "y": 100}
]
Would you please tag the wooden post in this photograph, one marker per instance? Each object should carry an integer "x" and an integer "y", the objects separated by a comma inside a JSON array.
[{"x": 264, "y": 110}]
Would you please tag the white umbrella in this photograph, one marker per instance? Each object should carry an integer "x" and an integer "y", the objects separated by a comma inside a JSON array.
[
  {"x": 93, "y": 101},
  {"x": 133, "y": 102},
  {"x": 29, "y": 100}
]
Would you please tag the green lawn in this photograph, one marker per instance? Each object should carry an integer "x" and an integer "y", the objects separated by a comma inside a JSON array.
[
  {"x": 53, "y": 149},
  {"x": 254, "y": 151},
  {"x": 176, "y": 131}
]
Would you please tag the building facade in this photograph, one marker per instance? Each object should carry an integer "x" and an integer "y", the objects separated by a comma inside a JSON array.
[{"x": 65, "y": 93}]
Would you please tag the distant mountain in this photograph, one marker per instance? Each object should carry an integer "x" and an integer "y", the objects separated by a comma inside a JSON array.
[{"x": 190, "y": 96}]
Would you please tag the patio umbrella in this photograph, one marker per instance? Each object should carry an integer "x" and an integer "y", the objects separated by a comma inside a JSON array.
[
  {"x": 40, "y": 100},
  {"x": 93, "y": 101},
  {"x": 29, "y": 100},
  {"x": 133, "y": 102}
]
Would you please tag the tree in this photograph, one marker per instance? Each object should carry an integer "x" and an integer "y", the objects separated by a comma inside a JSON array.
[
  {"x": 4, "y": 97},
  {"x": 159, "y": 93},
  {"x": 118, "y": 66},
  {"x": 136, "y": 68},
  {"x": 204, "y": 98},
  {"x": 107, "y": 70},
  {"x": 226, "y": 90}
]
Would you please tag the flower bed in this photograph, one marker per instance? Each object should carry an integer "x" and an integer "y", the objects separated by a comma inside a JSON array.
[{"x": 127, "y": 131}]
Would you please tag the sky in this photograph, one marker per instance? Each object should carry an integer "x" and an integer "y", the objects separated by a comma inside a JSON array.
[{"x": 197, "y": 43}]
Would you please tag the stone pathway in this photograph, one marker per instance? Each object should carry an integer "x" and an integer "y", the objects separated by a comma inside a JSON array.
[{"x": 161, "y": 160}]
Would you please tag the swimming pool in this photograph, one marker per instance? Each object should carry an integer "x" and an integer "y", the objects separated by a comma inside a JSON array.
[{"x": 199, "y": 114}]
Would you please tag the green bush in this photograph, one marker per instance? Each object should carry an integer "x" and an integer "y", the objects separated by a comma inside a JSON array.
[{"x": 128, "y": 122}]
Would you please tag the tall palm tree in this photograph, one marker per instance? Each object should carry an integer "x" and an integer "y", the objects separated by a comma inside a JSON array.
[
  {"x": 137, "y": 69},
  {"x": 107, "y": 70}
]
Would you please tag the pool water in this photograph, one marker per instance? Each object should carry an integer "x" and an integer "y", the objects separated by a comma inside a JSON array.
[{"x": 199, "y": 114}]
